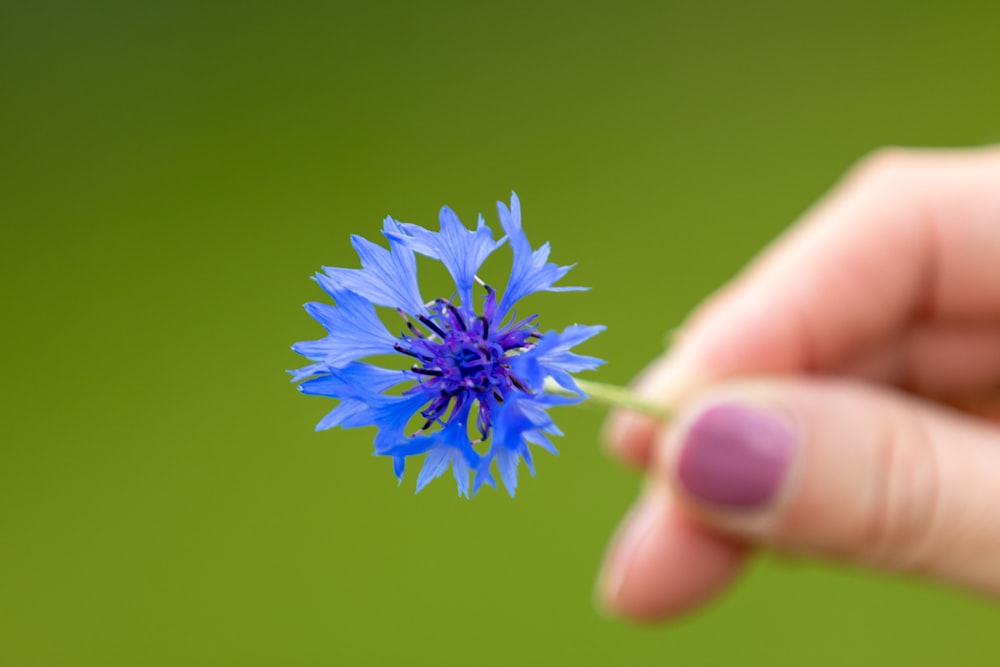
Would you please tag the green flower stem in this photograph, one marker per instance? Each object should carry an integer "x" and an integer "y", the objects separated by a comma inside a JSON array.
[{"x": 613, "y": 395}]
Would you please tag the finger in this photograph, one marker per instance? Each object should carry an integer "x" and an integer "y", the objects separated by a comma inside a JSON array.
[
  {"x": 908, "y": 236},
  {"x": 934, "y": 360},
  {"x": 985, "y": 406},
  {"x": 676, "y": 565},
  {"x": 959, "y": 365},
  {"x": 844, "y": 470}
]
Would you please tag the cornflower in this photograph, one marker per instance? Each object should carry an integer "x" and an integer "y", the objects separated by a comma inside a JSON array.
[{"x": 478, "y": 381}]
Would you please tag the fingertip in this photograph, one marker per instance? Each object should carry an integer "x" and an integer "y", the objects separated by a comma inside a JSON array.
[
  {"x": 629, "y": 437},
  {"x": 662, "y": 565}
]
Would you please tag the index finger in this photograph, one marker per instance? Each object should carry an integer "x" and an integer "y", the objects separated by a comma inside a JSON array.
[{"x": 907, "y": 236}]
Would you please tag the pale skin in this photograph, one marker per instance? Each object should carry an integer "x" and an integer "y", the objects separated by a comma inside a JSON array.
[{"x": 873, "y": 325}]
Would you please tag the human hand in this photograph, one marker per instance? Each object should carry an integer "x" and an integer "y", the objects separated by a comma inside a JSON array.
[{"x": 839, "y": 398}]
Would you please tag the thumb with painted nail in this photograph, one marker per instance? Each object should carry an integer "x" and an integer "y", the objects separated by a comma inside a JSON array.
[{"x": 833, "y": 468}]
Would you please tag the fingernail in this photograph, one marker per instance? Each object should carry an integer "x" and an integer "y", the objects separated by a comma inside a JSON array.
[
  {"x": 626, "y": 544},
  {"x": 736, "y": 456}
]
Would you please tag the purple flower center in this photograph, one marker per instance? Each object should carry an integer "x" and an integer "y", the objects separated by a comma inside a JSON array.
[{"x": 463, "y": 358}]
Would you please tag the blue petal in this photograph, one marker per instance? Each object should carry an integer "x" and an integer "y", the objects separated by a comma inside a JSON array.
[
  {"x": 507, "y": 461},
  {"x": 354, "y": 330},
  {"x": 531, "y": 271},
  {"x": 354, "y": 380},
  {"x": 438, "y": 459},
  {"x": 356, "y": 386},
  {"x": 519, "y": 421},
  {"x": 538, "y": 438},
  {"x": 349, "y": 407},
  {"x": 390, "y": 414},
  {"x": 434, "y": 466},
  {"x": 483, "y": 474},
  {"x": 461, "y": 250},
  {"x": 534, "y": 415},
  {"x": 306, "y": 371},
  {"x": 460, "y": 470},
  {"x": 449, "y": 446},
  {"x": 386, "y": 277},
  {"x": 526, "y": 455},
  {"x": 398, "y": 466},
  {"x": 551, "y": 357}
]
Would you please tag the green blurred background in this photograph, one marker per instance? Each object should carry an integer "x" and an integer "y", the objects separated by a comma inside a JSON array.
[{"x": 172, "y": 173}]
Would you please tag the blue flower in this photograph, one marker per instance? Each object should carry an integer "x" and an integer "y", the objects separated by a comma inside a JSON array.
[{"x": 473, "y": 393}]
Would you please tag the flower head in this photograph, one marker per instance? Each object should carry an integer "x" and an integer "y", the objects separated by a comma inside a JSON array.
[{"x": 473, "y": 392}]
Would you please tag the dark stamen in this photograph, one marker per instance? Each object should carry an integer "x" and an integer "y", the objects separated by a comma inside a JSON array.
[
  {"x": 458, "y": 316},
  {"x": 486, "y": 327},
  {"x": 427, "y": 371},
  {"x": 403, "y": 350},
  {"x": 426, "y": 321},
  {"x": 409, "y": 325},
  {"x": 517, "y": 383},
  {"x": 438, "y": 407}
]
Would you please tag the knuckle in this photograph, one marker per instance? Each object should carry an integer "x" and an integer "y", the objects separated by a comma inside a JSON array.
[{"x": 899, "y": 527}]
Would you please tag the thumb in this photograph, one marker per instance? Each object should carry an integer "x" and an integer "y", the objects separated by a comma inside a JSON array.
[{"x": 846, "y": 470}]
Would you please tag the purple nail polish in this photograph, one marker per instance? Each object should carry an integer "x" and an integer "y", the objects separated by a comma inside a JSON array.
[{"x": 735, "y": 455}]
